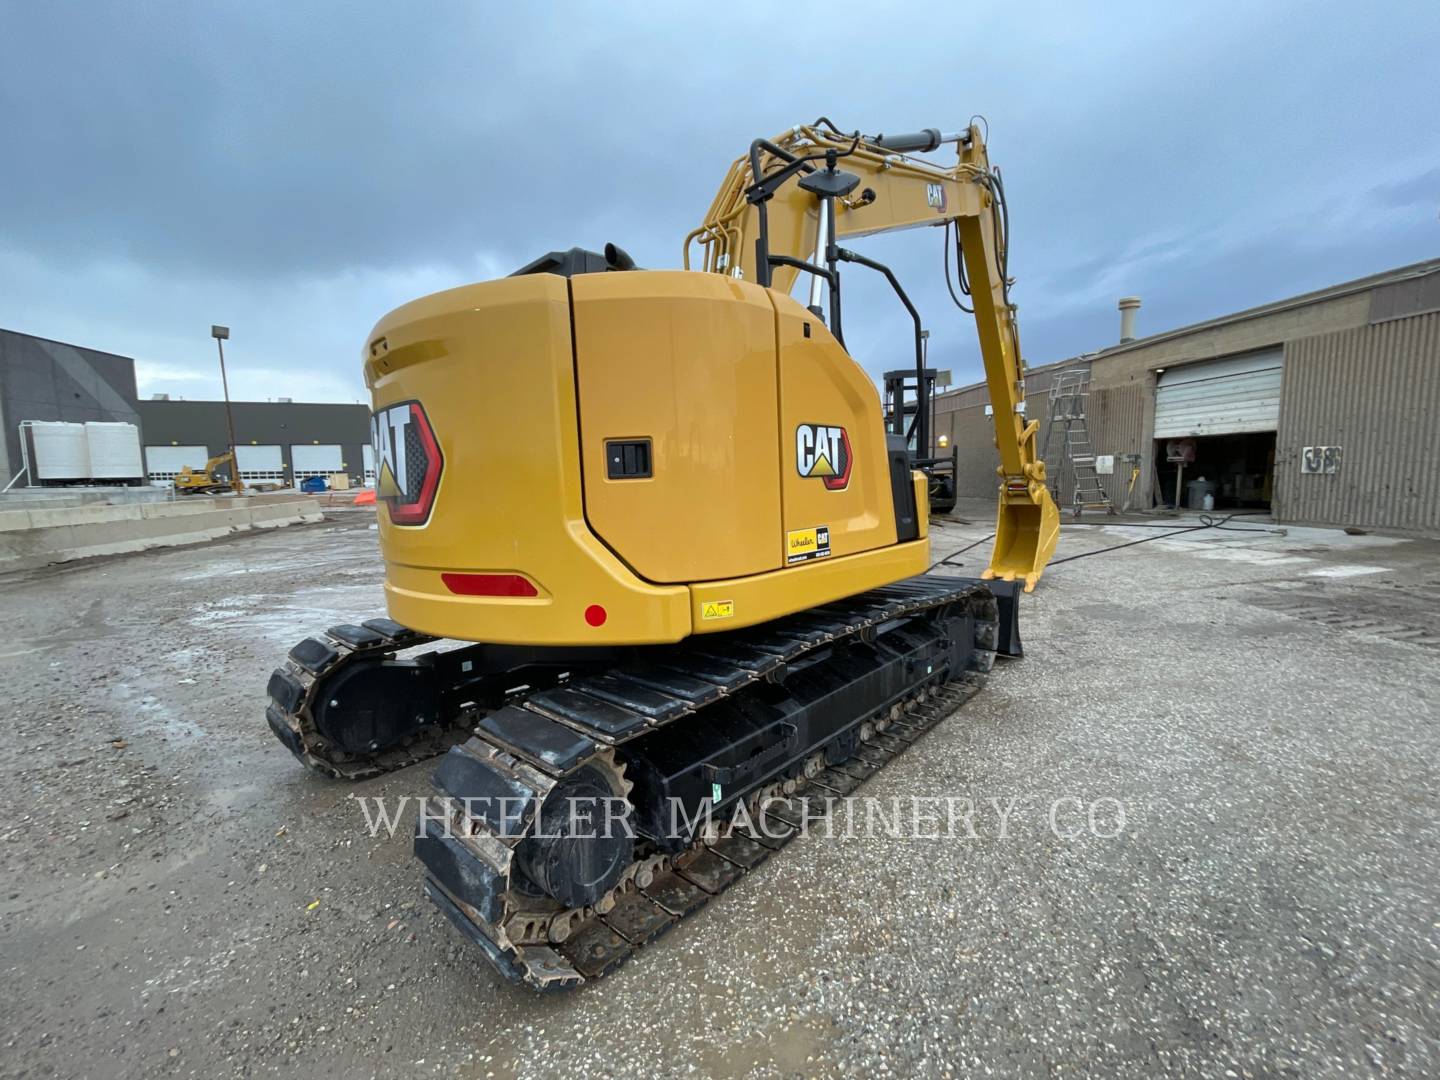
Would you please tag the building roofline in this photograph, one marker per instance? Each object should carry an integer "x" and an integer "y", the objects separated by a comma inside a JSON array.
[
  {"x": 1275, "y": 307},
  {"x": 67, "y": 344},
  {"x": 1330, "y": 292}
]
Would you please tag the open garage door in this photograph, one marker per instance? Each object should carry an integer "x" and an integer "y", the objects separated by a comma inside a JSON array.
[
  {"x": 1220, "y": 397},
  {"x": 1215, "y": 427},
  {"x": 261, "y": 464},
  {"x": 163, "y": 462},
  {"x": 369, "y": 452},
  {"x": 311, "y": 459}
]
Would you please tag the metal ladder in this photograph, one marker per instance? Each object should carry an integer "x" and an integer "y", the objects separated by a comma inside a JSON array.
[{"x": 1069, "y": 396}]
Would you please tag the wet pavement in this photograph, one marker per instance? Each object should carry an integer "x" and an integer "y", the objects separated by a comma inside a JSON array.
[{"x": 1204, "y": 840}]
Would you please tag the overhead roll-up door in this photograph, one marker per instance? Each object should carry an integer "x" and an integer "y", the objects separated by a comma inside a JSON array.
[
  {"x": 310, "y": 459},
  {"x": 163, "y": 462},
  {"x": 261, "y": 464},
  {"x": 1220, "y": 397}
]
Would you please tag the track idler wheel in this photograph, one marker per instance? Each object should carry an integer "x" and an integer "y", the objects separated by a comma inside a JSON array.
[
  {"x": 370, "y": 707},
  {"x": 583, "y": 840}
]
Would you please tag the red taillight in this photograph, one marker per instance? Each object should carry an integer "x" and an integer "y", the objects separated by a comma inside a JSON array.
[
  {"x": 489, "y": 585},
  {"x": 596, "y": 615}
]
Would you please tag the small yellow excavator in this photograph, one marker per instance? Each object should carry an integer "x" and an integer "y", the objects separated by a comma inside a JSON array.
[
  {"x": 682, "y": 561},
  {"x": 204, "y": 481}
]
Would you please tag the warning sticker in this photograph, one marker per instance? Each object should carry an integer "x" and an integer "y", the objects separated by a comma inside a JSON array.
[
  {"x": 717, "y": 609},
  {"x": 803, "y": 544}
]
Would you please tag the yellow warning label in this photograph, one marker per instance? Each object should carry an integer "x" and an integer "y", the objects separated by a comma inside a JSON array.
[
  {"x": 717, "y": 609},
  {"x": 802, "y": 544}
]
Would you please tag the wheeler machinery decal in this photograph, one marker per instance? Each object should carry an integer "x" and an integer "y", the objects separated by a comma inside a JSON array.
[{"x": 804, "y": 544}]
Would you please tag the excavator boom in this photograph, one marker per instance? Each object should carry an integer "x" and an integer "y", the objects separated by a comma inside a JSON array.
[{"x": 768, "y": 225}]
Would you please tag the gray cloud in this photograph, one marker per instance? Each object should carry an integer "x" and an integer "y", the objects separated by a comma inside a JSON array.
[{"x": 297, "y": 170}]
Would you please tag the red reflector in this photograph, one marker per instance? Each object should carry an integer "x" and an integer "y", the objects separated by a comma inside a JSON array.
[
  {"x": 596, "y": 615},
  {"x": 489, "y": 585}
]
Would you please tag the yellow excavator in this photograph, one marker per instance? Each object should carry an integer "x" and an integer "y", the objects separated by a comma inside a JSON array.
[
  {"x": 206, "y": 480},
  {"x": 681, "y": 561}
]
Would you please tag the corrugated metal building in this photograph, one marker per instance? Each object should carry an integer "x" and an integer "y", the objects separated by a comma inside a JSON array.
[
  {"x": 1324, "y": 408},
  {"x": 278, "y": 441}
]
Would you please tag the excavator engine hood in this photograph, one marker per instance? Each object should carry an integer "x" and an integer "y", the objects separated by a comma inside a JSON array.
[{"x": 571, "y": 457}]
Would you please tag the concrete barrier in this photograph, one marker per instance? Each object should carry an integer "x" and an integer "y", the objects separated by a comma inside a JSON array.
[
  {"x": 37, "y": 498},
  {"x": 344, "y": 500},
  {"x": 32, "y": 538}
]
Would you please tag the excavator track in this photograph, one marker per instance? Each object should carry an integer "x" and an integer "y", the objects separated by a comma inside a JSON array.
[
  {"x": 601, "y": 726},
  {"x": 471, "y": 856},
  {"x": 295, "y": 693},
  {"x": 658, "y": 892}
]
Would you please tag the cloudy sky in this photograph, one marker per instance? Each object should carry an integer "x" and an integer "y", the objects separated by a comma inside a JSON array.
[{"x": 297, "y": 169}]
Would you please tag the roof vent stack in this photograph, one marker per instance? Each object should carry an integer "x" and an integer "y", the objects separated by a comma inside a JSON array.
[{"x": 1128, "y": 306}]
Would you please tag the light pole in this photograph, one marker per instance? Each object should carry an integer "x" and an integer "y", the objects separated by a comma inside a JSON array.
[{"x": 221, "y": 334}]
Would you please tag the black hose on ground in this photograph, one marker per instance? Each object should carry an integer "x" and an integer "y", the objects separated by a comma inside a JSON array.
[
  {"x": 946, "y": 560},
  {"x": 1206, "y": 522}
]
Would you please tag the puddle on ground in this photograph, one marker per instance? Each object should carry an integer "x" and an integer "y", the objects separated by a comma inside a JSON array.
[
  {"x": 1345, "y": 571},
  {"x": 150, "y": 711},
  {"x": 302, "y": 612},
  {"x": 1248, "y": 555}
]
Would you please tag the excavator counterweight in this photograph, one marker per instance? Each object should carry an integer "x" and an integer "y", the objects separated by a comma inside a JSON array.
[{"x": 650, "y": 550}]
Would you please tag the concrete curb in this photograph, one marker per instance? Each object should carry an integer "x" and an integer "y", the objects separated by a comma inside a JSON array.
[{"x": 34, "y": 538}]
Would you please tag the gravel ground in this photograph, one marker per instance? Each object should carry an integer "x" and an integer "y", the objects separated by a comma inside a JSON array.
[{"x": 1257, "y": 895}]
